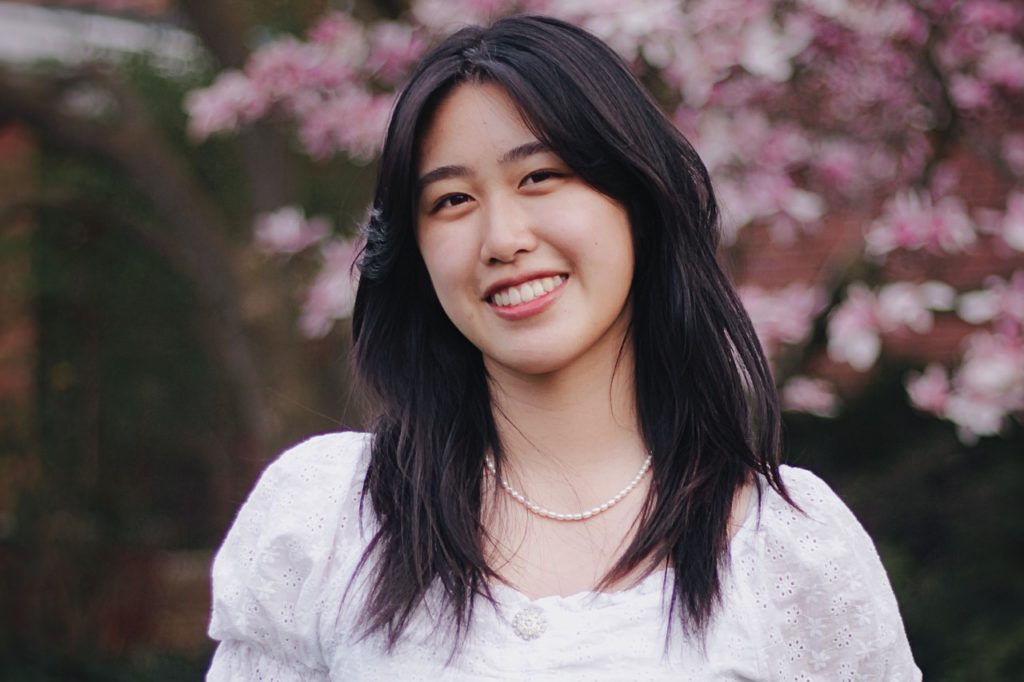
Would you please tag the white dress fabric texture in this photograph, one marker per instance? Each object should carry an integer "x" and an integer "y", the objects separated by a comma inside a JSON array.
[{"x": 805, "y": 598}]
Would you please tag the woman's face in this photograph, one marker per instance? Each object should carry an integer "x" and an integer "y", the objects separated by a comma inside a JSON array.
[{"x": 530, "y": 263}]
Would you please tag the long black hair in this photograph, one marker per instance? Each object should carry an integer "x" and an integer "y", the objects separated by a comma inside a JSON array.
[{"x": 705, "y": 397}]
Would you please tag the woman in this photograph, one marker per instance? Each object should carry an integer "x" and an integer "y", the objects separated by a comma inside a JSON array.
[{"x": 573, "y": 471}]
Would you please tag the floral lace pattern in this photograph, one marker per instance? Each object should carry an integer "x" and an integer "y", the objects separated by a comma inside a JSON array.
[{"x": 806, "y": 598}]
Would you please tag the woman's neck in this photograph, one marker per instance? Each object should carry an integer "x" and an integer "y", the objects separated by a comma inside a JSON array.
[
  {"x": 571, "y": 442},
  {"x": 579, "y": 420}
]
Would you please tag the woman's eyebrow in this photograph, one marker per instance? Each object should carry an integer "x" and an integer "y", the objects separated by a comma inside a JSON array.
[
  {"x": 523, "y": 151},
  {"x": 455, "y": 171},
  {"x": 440, "y": 173}
]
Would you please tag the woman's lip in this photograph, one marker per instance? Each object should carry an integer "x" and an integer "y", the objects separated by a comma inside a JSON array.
[
  {"x": 510, "y": 282},
  {"x": 528, "y": 308}
]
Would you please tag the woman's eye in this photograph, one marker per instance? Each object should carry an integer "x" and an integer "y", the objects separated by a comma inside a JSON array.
[
  {"x": 539, "y": 176},
  {"x": 450, "y": 201}
]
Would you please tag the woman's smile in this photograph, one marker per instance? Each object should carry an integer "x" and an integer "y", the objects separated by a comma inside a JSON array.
[
  {"x": 528, "y": 298},
  {"x": 534, "y": 287}
]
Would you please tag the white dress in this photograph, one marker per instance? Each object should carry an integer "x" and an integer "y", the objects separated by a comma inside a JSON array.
[{"x": 806, "y": 598}]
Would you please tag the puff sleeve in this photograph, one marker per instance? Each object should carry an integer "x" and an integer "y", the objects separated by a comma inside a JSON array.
[
  {"x": 277, "y": 574},
  {"x": 821, "y": 592}
]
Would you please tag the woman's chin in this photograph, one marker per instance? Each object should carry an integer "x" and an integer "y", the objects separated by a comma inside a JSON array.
[{"x": 533, "y": 364}]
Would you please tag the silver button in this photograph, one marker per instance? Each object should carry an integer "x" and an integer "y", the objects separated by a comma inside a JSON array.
[{"x": 529, "y": 623}]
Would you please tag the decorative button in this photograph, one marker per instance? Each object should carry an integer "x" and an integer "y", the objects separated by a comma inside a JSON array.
[{"x": 530, "y": 623}]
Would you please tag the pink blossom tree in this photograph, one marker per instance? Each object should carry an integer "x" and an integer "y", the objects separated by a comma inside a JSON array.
[{"x": 882, "y": 131}]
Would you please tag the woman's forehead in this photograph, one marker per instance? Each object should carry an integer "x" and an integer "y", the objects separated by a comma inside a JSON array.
[{"x": 473, "y": 119}]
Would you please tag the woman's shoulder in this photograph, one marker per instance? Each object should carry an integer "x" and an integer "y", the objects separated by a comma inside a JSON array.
[
  {"x": 290, "y": 551},
  {"x": 336, "y": 453},
  {"x": 817, "y": 507},
  {"x": 814, "y": 543},
  {"x": 305, "y": 504},
  {"x": 307, "y": 494},
  {"x": 814, "y": 580},
  {"x": 328, "y": 466}
]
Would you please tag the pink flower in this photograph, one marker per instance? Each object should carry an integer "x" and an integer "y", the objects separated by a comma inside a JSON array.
[
  {"x": 783, "y": 316},
  {"x": 443, "y": 16},
  {"x": 814, "y": 396},
  {"x": 974, "y": 416},
  {"x": 902, "y": 225},
  {"x": 736, "y": 213},
  {"x": 333, "y": 292},
  {"x": 772, "y": 194},
  {"x": 945, "y": 179},
  {"x": 394, "y": 48},
  {"x": 904, "y": 304},
  {"x": 230, "y": 101},
  {"x": 1012, "y": 298},
  {"x": 993, "y": 365},
  {"x": 961, "y": 46},
  {"x": 910, "y": 221},
  {"x": 334, "y": 29},
  {"x": 284, "y": 67},
  {"x": 902, "y": 21},
  {"x": 929, "y": 391},
  {"x": 768, "y": 49},
  {"x": 1000, "y": 300},
  {"x": 715, "y": 139},
  {"x": 1013, "y": 221},
  {"x": 1007, "y": 226},
  {"x": 651, "y": 28},
  {"x": 286, "y": 230},
  {"x": 969, "y": 93},
  {"x": 353, "y": 123},
  {"x": 784, "y": 146},
  {"x": 1013, "y": 152},
  {"x": 978, "y": 307},
  {"x": 856, "y": 325},
  {"x": 853, "y": 329},
  {"x": 986, "y": 389},
  {"x": 1002, "y": 63},
  {"x": 992, "y": 14},
  {"x": 840, "y": 164}
]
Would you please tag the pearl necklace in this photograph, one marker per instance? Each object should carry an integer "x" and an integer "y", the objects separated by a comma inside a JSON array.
[{"x": 578, "y": 516}]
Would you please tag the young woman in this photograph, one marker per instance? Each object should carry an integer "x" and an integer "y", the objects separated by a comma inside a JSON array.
[{"x": 573, "y": 470}]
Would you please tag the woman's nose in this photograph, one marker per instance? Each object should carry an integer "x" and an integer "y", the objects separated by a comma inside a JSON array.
[{"x": 508, "y": 232}]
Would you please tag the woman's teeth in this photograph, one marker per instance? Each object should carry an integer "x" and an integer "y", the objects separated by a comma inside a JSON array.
[{"x": 527, "y": 291}]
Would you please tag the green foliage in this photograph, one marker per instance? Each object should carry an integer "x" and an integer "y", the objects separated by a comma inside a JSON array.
[
  {"x": 129, "y": 424},
  {"x": 132, "y": 419},
  {"x": 121, "y": 368},
  {"x": 144, "y": 668}
]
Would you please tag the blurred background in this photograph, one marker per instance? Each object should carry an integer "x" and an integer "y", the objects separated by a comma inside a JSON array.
[{"x": 181, "y": 183}]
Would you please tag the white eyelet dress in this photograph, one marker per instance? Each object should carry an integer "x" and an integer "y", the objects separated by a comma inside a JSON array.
[{"x": 805, "y": 598}]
